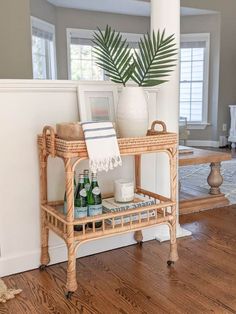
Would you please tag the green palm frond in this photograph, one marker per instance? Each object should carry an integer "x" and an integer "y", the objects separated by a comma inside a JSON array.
[
  {"x": 155, "y": 59},
  {"x": 113, "y": 55}
]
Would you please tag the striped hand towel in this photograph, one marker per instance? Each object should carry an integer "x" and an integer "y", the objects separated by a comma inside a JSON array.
[{"x": 102, "y": 146}]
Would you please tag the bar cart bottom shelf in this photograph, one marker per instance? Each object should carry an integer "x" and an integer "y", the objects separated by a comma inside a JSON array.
[{"x": 132, "y": 220}]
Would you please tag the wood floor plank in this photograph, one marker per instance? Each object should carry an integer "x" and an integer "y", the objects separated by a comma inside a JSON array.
[{"x": 137, "y": 280}]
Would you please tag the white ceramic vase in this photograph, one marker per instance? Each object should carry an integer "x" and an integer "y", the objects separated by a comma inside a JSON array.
[{"x": 132, "y": 112}]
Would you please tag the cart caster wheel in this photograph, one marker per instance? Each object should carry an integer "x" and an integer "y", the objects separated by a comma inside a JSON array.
[
  {"x": 169, "y": 263},
  {"x": 42, "y": 267},
  {"x": 69, "y": 295}
]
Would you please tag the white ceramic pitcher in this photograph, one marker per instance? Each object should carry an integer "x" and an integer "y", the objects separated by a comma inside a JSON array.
[{"x": 132, "y": 112}]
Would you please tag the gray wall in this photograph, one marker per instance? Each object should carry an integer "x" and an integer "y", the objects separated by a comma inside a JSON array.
[
  {"x": 207, "y": 24},
  {"x": 68, "y": 18},
  {"x": 64, "y": 18},
  {"x": 15, "y": 38},
  {"x": 15, "y": 52},
  {"x": 43, "y": 10},
  {"x": 227, "y": 90}
]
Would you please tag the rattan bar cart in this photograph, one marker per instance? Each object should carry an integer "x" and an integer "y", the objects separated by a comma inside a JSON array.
[{"x": 163, "y": 210}]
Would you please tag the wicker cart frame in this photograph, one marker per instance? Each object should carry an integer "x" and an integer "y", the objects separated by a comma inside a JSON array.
[{"x": 72, "y": 153}]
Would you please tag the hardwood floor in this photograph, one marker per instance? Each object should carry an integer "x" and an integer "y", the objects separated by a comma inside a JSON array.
[{"x": 137, "y": 280}]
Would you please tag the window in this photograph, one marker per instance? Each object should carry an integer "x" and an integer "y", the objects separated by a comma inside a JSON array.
[
  {"x": 43, "y": 49},
  {"x": 194, "y": 68},
  {"x": 81, "y": 62}
]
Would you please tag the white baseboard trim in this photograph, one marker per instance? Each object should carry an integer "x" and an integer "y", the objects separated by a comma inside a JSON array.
[
  {"x": 165, "y": 236},
  {"x": 31, "y": 260},
  {"x": 202, "y": 143}
]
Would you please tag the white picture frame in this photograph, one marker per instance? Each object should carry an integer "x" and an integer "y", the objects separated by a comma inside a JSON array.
[{"x": 97, "y": 102}]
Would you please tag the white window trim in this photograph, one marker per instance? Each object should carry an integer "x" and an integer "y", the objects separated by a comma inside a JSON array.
[
  {"x": 88, "y": 33},
  {"x": 201, "y": 37},
  {"x": 47, "y": 27}
]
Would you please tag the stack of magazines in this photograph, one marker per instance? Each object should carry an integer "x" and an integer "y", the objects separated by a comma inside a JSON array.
[{"x": 111, "y": 206}]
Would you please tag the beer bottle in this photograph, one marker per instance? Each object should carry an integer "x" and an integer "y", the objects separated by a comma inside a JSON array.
[
  {"x": 86, "y": 180},
  {"x": 94, "y": 201},
  {"x": 65, "y": 200},
  {"x": 80, "y": 203}
]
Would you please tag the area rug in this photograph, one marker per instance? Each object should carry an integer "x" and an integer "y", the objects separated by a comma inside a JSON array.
[
  {"x": 197, "y": 175},
  {"x": 7, "y": 294}
]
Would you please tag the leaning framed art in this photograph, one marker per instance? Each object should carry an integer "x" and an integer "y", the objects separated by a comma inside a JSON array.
[{"x": 97, "y": 102}]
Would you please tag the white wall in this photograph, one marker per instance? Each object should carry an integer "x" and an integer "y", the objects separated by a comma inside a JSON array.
[{"x": 25, "y": 107}]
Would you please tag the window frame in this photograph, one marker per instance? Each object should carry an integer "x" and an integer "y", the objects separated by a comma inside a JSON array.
[
  {"x": 206, "y": 38},
  {"x": 50, "y": 28},
  {"x": 88, "y": 34}
]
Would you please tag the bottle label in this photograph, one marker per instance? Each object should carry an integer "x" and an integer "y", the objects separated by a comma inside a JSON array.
[
  {"x": 94, "y": 210},
  {"x": 80, "y": 212},
  {"x": 87, "y": 186},
  {"x": 96, "y": 190},
  {"x": 83, "y": 193}
]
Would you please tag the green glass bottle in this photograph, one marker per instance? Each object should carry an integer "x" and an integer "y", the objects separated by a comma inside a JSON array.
[
  {"x": 80, "y": 203},
  {"x": 86, "y": 180},
  {"x": 94, "y": 201},
  {"x": 65, "y": 200}
]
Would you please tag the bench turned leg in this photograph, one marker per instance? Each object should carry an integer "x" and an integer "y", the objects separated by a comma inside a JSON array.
[{"x": 215, "y": 178}]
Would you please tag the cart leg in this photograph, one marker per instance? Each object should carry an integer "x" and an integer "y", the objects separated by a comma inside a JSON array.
[
  {"x": 172, "y": 224},
  {"x": 45, "y": 258},
  {"x": 71, "y": 284},
  {"x": 137, "y": 171},
  {"x": 173, "y": 257},
  {"x": 138, "y": 236}
]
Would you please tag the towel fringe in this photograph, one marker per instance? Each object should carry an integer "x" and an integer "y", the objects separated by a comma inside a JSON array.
[{"x": 105, "y": 164}]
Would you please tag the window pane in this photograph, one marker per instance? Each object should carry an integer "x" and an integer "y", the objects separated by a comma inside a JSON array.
[
  {"x": 185, "y": 109},
  {"x": 75, "y": 51},
  {"x": 86, "y": 52},
  {"x": 185, "y": 91},
  {"x": 83, "y": 65},
  {"x": 97, "y": 73},
  {"x": 197, "y": 91},
  {"x": 43, "y": 53},
  {"x": 86, "y": 70},
  {"x": 185, "y": 54},
  {"x": 196, "y": 111},
  {"x": 39, "y": 67},
  {"x": 38, "y": 45},
  {"x": 198, "y": 54},
  {"x": 198, "y": 70},
  {"x": 192, "y": 65},
  {"x": 186, "y": 71},
  {"x": 75, "y": 69}
]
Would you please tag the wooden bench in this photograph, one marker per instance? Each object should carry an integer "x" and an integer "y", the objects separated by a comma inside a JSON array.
[{"x": 193, "y": 198}]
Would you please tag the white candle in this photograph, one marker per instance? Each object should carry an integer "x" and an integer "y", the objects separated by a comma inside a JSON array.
[{"x": 124, "y": 190}]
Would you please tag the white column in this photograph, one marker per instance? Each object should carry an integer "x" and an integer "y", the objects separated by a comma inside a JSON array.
[{"x": 165, "y": 14}]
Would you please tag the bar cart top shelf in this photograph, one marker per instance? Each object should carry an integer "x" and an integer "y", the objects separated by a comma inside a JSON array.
[{"x": 128, "y": 146}]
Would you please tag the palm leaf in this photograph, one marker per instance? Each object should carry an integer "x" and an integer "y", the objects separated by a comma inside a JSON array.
[
  {"x": 113, "y": 55},
  {"x": 155, "y": 60}
]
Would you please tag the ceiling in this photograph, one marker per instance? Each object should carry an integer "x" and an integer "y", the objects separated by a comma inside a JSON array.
[{"x": 130, "y": 7}]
